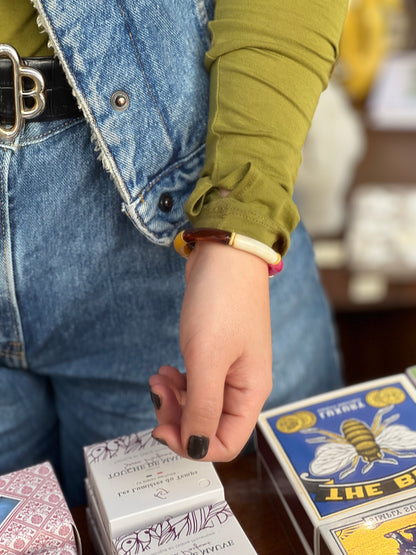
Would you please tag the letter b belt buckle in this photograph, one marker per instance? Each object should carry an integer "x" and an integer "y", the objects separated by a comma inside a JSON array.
[{"x": 23, "y": 109}]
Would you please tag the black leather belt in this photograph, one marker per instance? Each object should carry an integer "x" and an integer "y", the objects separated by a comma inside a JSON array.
[
  {"x": 33, "y": 89},
  {"x": 60, "y": 102}
]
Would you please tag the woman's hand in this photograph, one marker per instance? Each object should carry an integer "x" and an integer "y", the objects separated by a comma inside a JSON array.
[{"x": 225, "y": 338}]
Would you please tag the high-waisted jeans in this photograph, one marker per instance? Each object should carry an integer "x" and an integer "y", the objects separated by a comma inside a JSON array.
[{"x": 89, "y": 308}]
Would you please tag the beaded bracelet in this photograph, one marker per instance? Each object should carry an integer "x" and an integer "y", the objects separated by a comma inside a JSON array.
[{"x": 185, "y": 241}]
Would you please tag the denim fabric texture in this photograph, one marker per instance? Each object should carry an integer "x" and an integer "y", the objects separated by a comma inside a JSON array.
[
  {"x": 89, "y": 308},
  {"x": 156, "y": 145},
  {"x": 85, "y": 299}
]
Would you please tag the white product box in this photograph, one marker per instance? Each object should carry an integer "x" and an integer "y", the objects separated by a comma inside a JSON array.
[
  {"x": 94, "y": 534},
  {"x": 100, "y": 530},
  {"x": 137, "y": 481},
  {"x": 205, "y": 530},
  {"x": 34, "y": 516}
]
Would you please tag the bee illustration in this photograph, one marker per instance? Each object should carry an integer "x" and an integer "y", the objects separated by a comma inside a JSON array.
[{"x": 358, "y": 441}]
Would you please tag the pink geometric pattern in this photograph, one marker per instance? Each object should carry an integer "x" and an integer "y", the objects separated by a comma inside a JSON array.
[{"x": 34, "y": 516}]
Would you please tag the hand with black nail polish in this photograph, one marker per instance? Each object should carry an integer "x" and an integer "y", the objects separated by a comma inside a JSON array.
[
  {"x": 209, "y": 412},
  {"x": 197, "y": 447},
  {"x": 155, "y": 400}
]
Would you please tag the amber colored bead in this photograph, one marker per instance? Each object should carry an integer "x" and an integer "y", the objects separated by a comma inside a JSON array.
[{"x": 191, "y": 236}]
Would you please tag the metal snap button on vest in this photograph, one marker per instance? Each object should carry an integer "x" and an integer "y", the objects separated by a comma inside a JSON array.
[
  {"x": 165, "y": 202},
  {"x": 120, "y": 101}
]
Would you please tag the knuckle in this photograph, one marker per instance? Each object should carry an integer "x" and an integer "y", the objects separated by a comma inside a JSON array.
[{"x": 194, "y": 352}]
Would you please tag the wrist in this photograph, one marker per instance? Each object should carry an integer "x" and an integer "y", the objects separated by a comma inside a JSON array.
[{"x": 186, "y": 240}]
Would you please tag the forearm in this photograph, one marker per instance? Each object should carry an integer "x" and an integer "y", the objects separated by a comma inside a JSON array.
[{"x": 269, "y": 61}]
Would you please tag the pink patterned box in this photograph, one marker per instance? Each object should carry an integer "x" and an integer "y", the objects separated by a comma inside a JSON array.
[{"x": 34, "y": 516}]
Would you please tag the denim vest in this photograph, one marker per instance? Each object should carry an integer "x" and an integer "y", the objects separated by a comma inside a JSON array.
[{"x": 149, "y": 54}]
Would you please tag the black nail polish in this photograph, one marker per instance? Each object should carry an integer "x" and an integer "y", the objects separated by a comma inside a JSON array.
[
  {"x": 160, "y": 440},
  {"x": 198, "y": 447},
  {"x": 157, "y": 403}
]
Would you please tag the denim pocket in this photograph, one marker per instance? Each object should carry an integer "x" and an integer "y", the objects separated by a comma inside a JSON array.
[
  {"x": 158, "y": 211},
  {"x": 153, "y": 53}
]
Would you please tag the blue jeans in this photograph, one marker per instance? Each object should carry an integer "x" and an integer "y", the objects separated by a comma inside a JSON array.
[{"x": 89, "y": 308}]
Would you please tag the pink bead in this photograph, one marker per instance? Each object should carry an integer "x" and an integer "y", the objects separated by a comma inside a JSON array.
[{"x": 275, "y": 268}]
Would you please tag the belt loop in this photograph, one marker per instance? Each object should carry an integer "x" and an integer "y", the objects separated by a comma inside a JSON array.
[{"x": 36, "y": 93}]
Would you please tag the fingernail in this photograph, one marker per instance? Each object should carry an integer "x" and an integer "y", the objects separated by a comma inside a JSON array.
[
  {"x": 160, "y": 440},
  {"x": 198, "y": 447},
  {"x": 157, "y": 403}
]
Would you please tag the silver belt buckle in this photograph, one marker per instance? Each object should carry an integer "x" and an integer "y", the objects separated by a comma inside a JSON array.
[{"x": 36, "y": 93}]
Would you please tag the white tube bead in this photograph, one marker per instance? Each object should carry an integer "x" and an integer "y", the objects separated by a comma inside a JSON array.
[{"x": 247, "y": 244}]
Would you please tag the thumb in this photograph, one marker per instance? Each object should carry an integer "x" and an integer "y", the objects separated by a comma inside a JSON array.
[{"x": 204, "y": 405}]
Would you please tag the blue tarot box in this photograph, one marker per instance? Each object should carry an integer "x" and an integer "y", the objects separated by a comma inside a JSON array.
[{"x": 341, "y": 453}]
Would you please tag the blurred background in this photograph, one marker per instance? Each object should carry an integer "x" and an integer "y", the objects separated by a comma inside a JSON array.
[{"x": 356, "y": 189}]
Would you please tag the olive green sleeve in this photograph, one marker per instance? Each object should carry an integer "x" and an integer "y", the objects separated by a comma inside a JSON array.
[
  {"x": 18, "y": 27},
  {"x": 269, "y": 61}
]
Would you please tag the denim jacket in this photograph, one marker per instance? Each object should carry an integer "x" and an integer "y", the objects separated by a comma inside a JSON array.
[{"x": 151, "y": 56}]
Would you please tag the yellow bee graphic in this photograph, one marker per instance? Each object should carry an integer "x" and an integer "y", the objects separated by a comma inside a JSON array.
[{"x": 361, "y": 442}]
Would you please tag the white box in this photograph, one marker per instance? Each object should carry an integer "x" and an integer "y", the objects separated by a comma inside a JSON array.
[
  {"x": 205, "y": 530},
  {"x": 94, "y": 534},
  {"x": 100, "y": 530},
  {"x": 391, "y": 103},
  {"x": 209, "y": 529},
  {"x": 137, "y": 481}
]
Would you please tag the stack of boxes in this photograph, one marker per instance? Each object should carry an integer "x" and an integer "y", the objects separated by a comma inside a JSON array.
[
  {"x": 143, "y": 497},
  {"x": 344, "y": 465}
]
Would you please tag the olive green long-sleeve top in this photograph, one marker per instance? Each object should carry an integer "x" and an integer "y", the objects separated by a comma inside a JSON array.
[
  {"x": 269, "y": 61},
  {"x": 18, "y": 27}
]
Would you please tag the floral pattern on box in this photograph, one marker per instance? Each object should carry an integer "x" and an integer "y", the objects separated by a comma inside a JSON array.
[
  {"x": 34, "y": 516},
  {"x": 118, "y": 446},
  {"x": 173, "y": 529}
]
